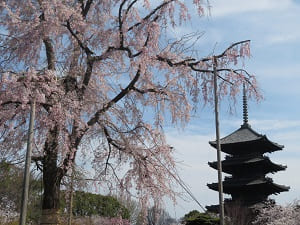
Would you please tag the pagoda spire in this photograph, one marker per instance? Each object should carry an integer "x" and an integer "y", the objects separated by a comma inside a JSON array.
[{"x": 245, "y": 108}]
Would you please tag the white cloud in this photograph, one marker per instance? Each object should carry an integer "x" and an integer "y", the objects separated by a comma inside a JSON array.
[
  {"x": 283, "y": 38},
  {"x": 284, "y": 71},
  {"x": 288, "y": 178},
  {"x": 230, "y": 7},
  {"x": 267, "y": 125}
]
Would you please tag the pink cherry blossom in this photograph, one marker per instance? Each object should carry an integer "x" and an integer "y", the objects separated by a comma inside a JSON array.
[{"x": 105, "y": 80}]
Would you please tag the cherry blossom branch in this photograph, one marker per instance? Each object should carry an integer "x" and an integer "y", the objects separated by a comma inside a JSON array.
[
  {"x": 129, "y": 7},
  {"x": 11, "y": 102},
  {"x": 230, "y": 47},
  {"x": 117, "y": 98},
  {"x": 222, "y": 54},
  {"x": 115, "y": 129},
  {"x": 190, "y": 62},
  {"x": 91, "y": 59},
  {"x": 149, "y": 90},
  {"x": 151, "y": 14},
  {"x": 109, "y": 147},
  {"x": 119, "y": 181},
  {"x": 104, "y": 55},
  {"x": 87, "y": 75},
  {"x": 49, "y": 53},
  {"x": 85, "y": 8},
  {"x": 80, "y": 43},
  {"x": 121, "y": 23},
  {"x": 48, "y": 45},
  {"x": 44, "y": 105},
  {"x": 75, "y": 139},
  {"x": 121, "y": 19}
]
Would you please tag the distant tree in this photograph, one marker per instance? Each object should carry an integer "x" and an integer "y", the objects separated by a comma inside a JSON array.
[
  {"x": 157, "y": 216},
  {"x": 89, "y": 204},
  {"x": 10, "y": 186},
  {"x": 133, "y": 207},
  {"x": 96, "y": 70},
  {"x": 194, "y": 217},
  {"x": 11, "y": 177},
  {"x": 96, "y": 220}
]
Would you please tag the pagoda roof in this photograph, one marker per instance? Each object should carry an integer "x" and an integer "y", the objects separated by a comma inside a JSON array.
[
  {"x": 230, "y": 164},
  {"x": 245, "y": 136},
  {"x": 260, "y": 184}
]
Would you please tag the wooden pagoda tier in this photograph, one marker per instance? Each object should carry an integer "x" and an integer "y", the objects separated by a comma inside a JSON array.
[
  {"x": 248, "y": 164},
  {"x": 246, "y": 141},
  {"x": 249, "y": 189}
]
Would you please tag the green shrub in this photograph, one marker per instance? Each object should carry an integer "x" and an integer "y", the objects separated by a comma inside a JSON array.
[
  {"x": 88, "y": 204},
  {"x": 196, "y": 218}
]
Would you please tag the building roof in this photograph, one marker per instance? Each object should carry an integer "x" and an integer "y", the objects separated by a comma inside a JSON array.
[
  {"x": 249, "y": 163},
  {"x": 265, "y": 185},
  {"x": 245, "y": 140}
]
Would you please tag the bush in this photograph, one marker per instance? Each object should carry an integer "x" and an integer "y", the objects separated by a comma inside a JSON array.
[
  {"x": 196, "y": 218},
  {"x": 88, "y": 204}
]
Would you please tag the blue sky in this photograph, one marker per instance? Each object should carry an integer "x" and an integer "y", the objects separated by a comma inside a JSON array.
[{"x": 273, "y": 26}]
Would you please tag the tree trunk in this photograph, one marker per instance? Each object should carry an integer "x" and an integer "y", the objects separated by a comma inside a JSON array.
[
  {"x": 51, "y": 195},
  {"x": 52, "y": 179}
]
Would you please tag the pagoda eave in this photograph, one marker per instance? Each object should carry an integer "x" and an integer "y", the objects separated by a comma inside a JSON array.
[
  {"x": 264, "y": 164},
  {"x": 262, "y": 145},
  {"x": 262, "y": 186}
]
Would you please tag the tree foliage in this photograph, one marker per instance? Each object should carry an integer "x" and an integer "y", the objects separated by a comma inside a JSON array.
[
  {"x": 97, "y": 70},
  {"x": 157, "y": 216},
  {"x": 89, "y": 204},
  {"x": 11, "y": 185},
  {"x": 85, "y": 204},
  {"x": 194, "y": 217}
]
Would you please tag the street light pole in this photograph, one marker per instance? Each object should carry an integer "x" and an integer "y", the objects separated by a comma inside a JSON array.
[
  {"x": 27, "y": 165},
  {"x": 220, "y": 184}
]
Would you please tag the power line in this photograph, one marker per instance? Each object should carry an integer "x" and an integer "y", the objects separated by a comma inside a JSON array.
[{"x": 182, "y": 184}]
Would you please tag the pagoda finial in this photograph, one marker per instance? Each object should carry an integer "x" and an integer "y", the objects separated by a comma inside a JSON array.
[{"x": 245, "y": 108}]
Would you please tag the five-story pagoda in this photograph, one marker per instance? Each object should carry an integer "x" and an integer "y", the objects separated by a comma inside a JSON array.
[{"x": 248, "y": 165}]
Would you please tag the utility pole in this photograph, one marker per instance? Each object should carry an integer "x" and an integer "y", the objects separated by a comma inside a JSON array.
[
  {"x": 220, "y": 184},
  {"x": 27, "y": 165},
  {"x": 71, "y": 197}
]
